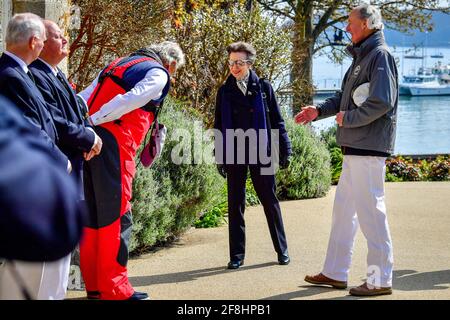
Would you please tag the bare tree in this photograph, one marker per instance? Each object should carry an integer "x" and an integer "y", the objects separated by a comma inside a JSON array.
[
  {"x": 311, "y": 20},
  {"x": 108, "y": 29}
]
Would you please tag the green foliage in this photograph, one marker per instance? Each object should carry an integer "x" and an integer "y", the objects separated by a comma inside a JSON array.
[
  {"x": 167, "y": 198},
  {"x": 215, "y": 216},
  {"x": 251, "y": 198},
  {"x": 308, "y": 175},
  {"x": 329, "y": 138},
  {"x": 440, "y": 170},
  {"x": 401, "y": 169},
  {"x": 336, "y": 164}
]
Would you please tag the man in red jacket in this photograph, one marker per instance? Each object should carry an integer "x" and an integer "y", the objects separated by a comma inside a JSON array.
[{"x": 122, "y": 102}]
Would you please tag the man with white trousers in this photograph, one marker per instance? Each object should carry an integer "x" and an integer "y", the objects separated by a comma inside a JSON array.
[{"x": 366, "y": 112}]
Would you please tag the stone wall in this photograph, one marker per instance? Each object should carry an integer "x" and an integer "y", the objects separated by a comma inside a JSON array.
[
  {"x": 56, "y": 10},
  {"x": 5, "y": 14}
]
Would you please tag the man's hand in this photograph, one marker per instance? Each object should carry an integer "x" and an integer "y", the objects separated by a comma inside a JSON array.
[
  {"x": 96, "y": 148},
  {"x": 222, "y": 171},
  {"x": 308, "y": 114},
  {"x": 284, "y": 162},
  {"x": 340, "y": 118}
]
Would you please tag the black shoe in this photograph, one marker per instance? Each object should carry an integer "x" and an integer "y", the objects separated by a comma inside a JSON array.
[
  {"x": 139, "y": 296},
  {"x": 283, "y": 259},
  {"x": 93, "y": 295},
  {"x": 235, "y": 264}
]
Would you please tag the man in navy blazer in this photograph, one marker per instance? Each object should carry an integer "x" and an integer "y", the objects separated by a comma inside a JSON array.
[
  {"x": 76, "y": 137},
  {"x": 25, "y": 36},
  {"x": 40, "y": 219}
]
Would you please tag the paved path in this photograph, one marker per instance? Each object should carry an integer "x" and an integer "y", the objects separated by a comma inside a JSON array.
[{"x": 194, "y": 268}]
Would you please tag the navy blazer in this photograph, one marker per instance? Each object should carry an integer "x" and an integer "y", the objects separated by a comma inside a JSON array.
[
  {"x": 243, "y": 108},
  {"x": 74, "y": 137},
  {"x": 40, "y": 219},
  {"x": 16, "y": 85}
]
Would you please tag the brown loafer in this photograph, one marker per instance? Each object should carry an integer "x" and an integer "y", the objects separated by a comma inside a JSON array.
[
  {"x": 365, "y": 290},
  {"x": 323, "y": 280}
]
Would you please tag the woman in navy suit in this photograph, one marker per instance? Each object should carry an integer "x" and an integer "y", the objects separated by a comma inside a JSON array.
[{"x": 246, "y": 107}]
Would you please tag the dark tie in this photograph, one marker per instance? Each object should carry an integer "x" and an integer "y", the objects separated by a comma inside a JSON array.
[
  {"x": 64, "y": 82},
  {"x": 30, "y": 76},
  {"x": 81, "y": 110}
]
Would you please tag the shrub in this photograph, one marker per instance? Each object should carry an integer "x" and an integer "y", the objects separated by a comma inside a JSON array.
[
  {"x": 251, "y": 198},
  {"x": 439, "y": 170},
  {"x": 403, "y": 170},
  {"x": 167, "y": 198},
  {"x": 215, "y": 216},
  {"x": 308, "y": 175},
  {"x": 329, "y": 138}
]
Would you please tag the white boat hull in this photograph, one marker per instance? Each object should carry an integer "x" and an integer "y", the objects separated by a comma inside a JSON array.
[{"x": 436, "y": 91}]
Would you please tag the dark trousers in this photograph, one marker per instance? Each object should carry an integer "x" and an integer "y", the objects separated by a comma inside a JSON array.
[{"x": 265, "y": 189}]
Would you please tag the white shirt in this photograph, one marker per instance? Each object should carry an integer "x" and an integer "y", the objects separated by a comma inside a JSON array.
[
  {"x": 149, "y": 88},
  {"x": 53, "y": 70},
  {"x": 22, "y": 63}
]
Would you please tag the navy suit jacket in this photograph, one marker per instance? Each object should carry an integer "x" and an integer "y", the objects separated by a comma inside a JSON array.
[
  {"x": 74, "y": 137},
  {"x": 40, "y": 219},
  {"x": 243, "y": 109},
  {"x": 20, "y": 89}
]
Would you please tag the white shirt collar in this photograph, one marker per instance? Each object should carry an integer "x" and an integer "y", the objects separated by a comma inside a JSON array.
[
  {"x": 245, "y": 78},
  {"x": 53, "y": 70},
  {"x": 21, "y": 63}
]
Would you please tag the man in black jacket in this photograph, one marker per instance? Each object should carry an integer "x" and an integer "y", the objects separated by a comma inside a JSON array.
[{"x": 246, "y": 108}]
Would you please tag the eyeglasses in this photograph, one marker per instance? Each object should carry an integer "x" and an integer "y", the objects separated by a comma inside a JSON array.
[{"x": 239, "y": 63}]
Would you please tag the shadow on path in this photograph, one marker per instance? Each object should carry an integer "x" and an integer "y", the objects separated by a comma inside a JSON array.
[
  {"x": 191, "y": 275},
  {"x": 404, "y": 280}
]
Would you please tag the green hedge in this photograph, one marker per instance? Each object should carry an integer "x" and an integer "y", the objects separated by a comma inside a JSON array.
[
  {"x": 308, "y": 175},
  {"x": 400, "y": 169}
]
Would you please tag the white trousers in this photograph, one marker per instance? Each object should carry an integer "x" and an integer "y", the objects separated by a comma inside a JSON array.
[
  {"x": 360, "y": 201},
  {"x": 55, "y": 278},
  {"x": 43, "y": 280}
]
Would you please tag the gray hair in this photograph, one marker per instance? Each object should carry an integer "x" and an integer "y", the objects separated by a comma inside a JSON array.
[
  {"x": 372, "y": 14},
  {"x": 22, "y": 27},
  {"x": 169, "y": 52},
  {"x": 241, "y": 46}
]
